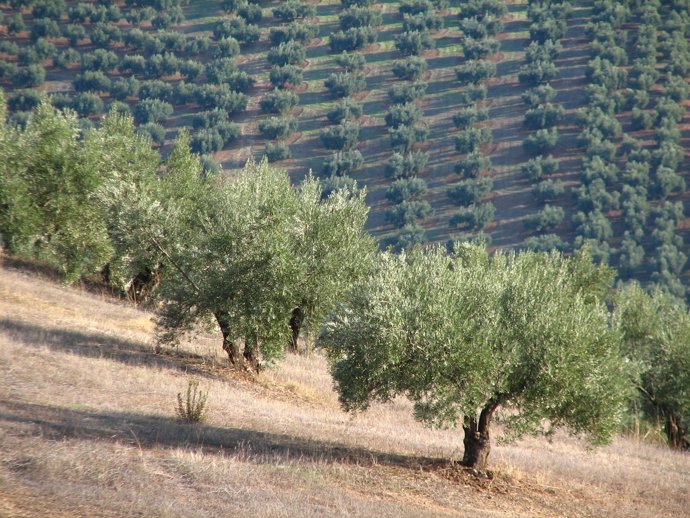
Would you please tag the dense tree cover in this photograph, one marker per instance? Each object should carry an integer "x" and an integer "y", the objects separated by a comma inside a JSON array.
[
  {"x": 47, "y": 187},
  {"x": 527, "y": 332},
  {"x": 273, "y": 277},
  {"x": 99, "y": 200},
  {"x": 637, "y": 70}
]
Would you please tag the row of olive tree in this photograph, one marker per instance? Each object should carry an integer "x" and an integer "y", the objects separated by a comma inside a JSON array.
[
  {"x": 263, "y": 259},
  {"x": 147, "y": 61},
  {"x": 358, "y": 22},
  {"x": 287, "y": 55},
  {"x": 406, "y": 128},
  {"x": 598, "y": 193},
  {"x": 548, "y": 25},
  {"x": 649, "y": 245},
  {"x": 652, "y": 176},
  {"x": 480, "y": 23}
]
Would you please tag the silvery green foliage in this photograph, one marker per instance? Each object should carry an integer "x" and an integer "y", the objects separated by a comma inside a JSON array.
[
  {"x": 128, "y": 195},
  {"x": 656, "y": 340},
  {"x": 456, "y": 333},
  {"x": 48, "y": 208},
  {"x": 247, "y": 250}
]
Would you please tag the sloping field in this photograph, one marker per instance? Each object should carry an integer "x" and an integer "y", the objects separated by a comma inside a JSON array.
[
  {"x": 88, "y": 428},
  {"x": 513, "y": 216}
]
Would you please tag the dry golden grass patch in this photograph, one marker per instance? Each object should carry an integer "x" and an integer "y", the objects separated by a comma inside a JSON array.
[{"x": 88, "y": 428}]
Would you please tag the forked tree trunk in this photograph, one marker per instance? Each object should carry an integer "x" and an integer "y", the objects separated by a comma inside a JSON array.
[
  {"x": 477, "y": 439},
  {"x": 229, "y": 345},
  {"x": 296, "y": 320}
]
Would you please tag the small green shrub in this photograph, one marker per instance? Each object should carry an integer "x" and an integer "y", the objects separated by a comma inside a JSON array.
[{"x": 193, "y": 408}]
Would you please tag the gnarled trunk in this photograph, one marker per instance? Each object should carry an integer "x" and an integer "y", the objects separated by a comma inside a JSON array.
[
  {"x": 229, "y": 345},
  {"x": 296, "y": 320},
  {"x": 251, "y": 353},
  {"x": 477, "y": 439}
]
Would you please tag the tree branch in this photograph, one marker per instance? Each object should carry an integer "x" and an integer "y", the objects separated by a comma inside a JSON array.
[{"x": 175, "y": 265}]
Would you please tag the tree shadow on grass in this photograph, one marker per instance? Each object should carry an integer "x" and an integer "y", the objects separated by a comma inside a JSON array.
[
  {"x": 153, "y": 432},
  {"x": 98, "y": 345}
]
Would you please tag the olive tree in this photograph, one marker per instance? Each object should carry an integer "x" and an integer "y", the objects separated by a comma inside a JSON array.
[
  {"x": 332, "y": 250},
  {"x": 47, "y": 206},
  {"x": 656, "y": 339},
  {"x": 256, "y": 255},
  {"x": 526, "y": 332}
]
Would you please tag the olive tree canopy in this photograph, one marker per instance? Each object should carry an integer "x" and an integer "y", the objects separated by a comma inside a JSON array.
[
  {"x": 463, "y": 334},
  {"x": 656, "y": 340}
]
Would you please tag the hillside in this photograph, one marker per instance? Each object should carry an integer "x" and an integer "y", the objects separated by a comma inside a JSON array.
[
  {"x": 608, "y": 86},
  {"x": 87, "y": 417}
]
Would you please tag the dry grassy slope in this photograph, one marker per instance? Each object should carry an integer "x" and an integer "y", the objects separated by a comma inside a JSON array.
[{"x": 88, "y": 428}]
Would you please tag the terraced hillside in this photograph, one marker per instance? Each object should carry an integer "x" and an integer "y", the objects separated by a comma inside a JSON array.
[{"x": 547, "y": 124}]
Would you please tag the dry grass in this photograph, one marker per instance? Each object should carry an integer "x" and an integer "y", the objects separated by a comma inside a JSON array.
[{"x": 88, "y": 428}]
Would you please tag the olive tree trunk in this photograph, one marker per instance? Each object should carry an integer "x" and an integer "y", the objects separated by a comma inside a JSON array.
[
  {"x": 675, "y": 432},
  {"x": 477, "y": 439},
  {"x": 296, "y": 321},
  {"x": 229, "y": 345},
  {"x": 251, "y": 353}
]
